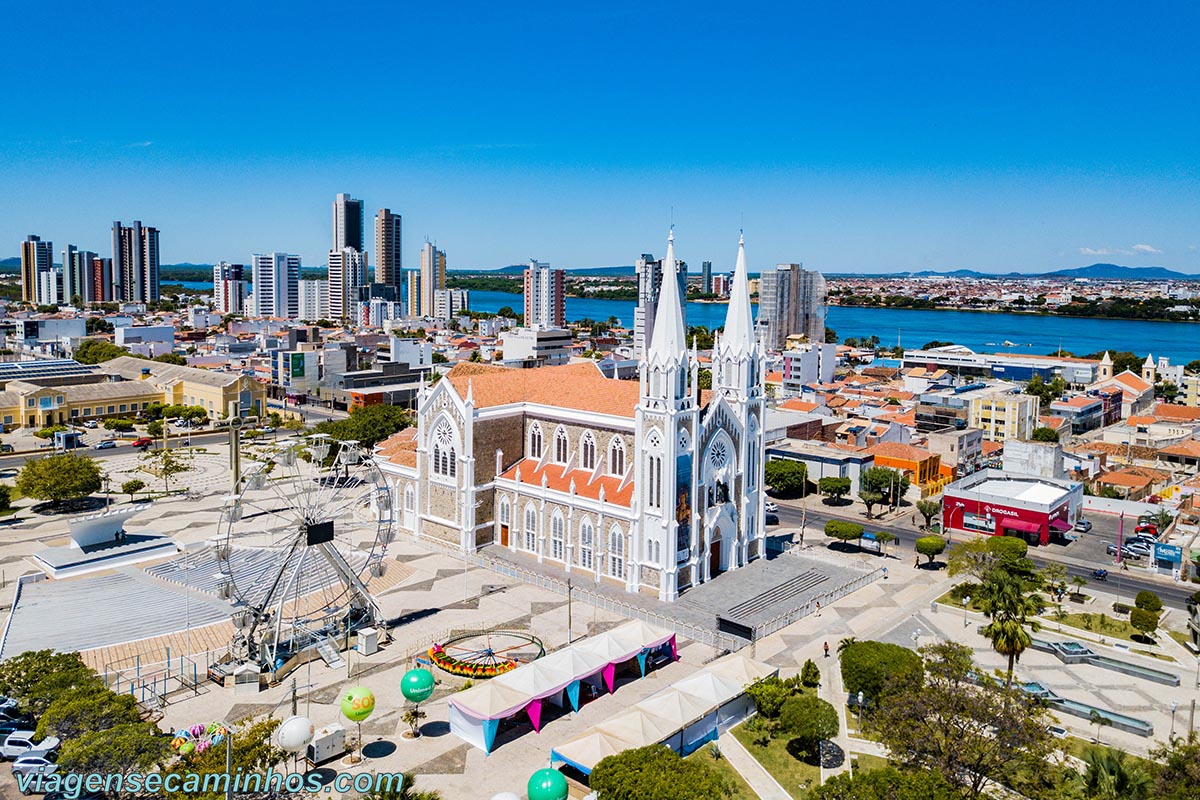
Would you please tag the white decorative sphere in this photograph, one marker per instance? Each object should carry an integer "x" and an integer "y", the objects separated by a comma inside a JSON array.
[{"x": 295, "y": 733}]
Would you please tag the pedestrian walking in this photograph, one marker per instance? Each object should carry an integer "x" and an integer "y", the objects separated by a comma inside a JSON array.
[
  {"x": 885, "y": 573},
  {"x": 917, "y": 562},
  {"x": 827, "y": 649},
  {"x": 818, "y": 608}
]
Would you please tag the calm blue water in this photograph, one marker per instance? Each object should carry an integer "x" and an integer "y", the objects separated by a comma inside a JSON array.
[{"x": 1039, "y": 335}]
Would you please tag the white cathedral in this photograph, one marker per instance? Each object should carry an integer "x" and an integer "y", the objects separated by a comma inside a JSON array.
[{"x": 655, "y": 486}]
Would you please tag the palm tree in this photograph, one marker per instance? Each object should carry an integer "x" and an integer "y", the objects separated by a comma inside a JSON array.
[
  {"x": 1006, "y": 603},
  {"x": 844, "y": 644},
  {"x": 1111, "y": 777}
]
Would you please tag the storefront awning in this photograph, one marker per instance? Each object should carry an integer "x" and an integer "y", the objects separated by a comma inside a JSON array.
[
  {"x": 1059, "y": 525},
  {"x": 1021, "y": 525}
]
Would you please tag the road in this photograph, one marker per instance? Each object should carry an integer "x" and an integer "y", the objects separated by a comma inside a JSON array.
[{"x": 1080, "y": 557}]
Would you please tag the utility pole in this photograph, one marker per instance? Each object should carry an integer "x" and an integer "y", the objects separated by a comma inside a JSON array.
[{"x": 568, "y": 609}]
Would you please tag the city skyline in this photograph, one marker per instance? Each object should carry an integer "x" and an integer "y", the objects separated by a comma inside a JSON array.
[{"x": 883, "y": 140}]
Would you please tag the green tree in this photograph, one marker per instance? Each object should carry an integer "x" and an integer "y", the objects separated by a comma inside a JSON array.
[
  {"x": 1044, "y": 434},
  {"x": 1006, "y": 600},
  {"x": 252, "y": 751},
  {"x": 807, "y": 719},
  {"x": 171, "y": 358},
  {"x": 844, "y": 531},
  {"x": 132, "y": 487},
  {"x": 870, "y": 500},
  {"x": 930, "y": 546},
  {"x": 961, "y": 724},
  {"x": 90, "y": 707},
  {"x": 118, "y": 424},
  {"x": 367, "y": 425},
  {"x": 877, "y": 668},
  {"x": 98, "y": 324},
  {"x": 979, "y": 557},
  {"x": 56, "y": 478},
  {"x": 36, "y": 677},
  {"x": 770, "y": 693},
  {"x": 928, "y": 509},
  {"x": 155, "y": 428},
  {"x": 1178, "y": 774},
  {"x": 94, "y": 351},
  {"x": 704, "y": 378},
  {"x": 165, "y": 464},
  {"x": 656, "y": 771},
  {"x": 1144, "y": 620},
  {"x": 837, "y": 488},
  {"x": 891, "y": 483},
  {"x": 1111, "y": 775},
  {"x": 888, "y": 783},
  {"x": 5, "y": 497},
  {"x": 438, "y": 358},
  {"x": 785, "y": 477},
  {"x": 810, "y": 673},
  {"x": 119, "y": 750},
  {"x": 1149, "y": 601}
]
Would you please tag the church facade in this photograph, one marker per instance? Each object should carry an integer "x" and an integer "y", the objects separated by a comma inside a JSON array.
[{"x": 652, "y": 485}]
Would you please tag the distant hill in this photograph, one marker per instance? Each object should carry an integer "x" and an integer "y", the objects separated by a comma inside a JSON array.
[
  {"x": 1113, "y": 272},
  {"x": 519, "y": 269}
]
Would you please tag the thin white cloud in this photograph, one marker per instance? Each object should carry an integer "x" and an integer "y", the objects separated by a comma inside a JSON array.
[
  {"x": 139, "y": 144},
  {"x": 1147, "y": 248},
  {"x": 1103, "y": 251}
]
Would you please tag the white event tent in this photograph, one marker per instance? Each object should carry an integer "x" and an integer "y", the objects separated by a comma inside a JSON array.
[
  {"x": 475, "y": 714},
  {"x": 683, "y": 716}
]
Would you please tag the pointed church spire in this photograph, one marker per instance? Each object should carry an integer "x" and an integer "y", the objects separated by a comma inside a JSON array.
[
  {"x": 669, "y": 340},
  {"x": 739, "y": 324}
]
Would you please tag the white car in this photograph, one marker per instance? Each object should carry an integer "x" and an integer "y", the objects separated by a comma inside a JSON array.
[
  {"x": 37, "y": 762},
  {"x": 770, "y": 506},
  {"x": 19, "y": 743}
]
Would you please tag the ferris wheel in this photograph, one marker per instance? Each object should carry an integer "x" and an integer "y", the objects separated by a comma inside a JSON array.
[{"x": 300, "y": 540}]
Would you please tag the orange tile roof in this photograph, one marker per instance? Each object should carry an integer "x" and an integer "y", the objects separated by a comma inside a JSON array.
[
  {"x": 1188, "y": 448},
  {"x": 1140, "y": 420},
  {"x": 1052, "y": 422},
  {"x": 900, "y": 452},
  {"x": 1080, "y": 401},
  {"x": 1122, "y": 478},
  {"x": 1133, "y": 382},
  {"x": 774, "y": 377},
  {"x": 1177, "y": 413},
  {"x": 579, "y": 386},
  {"x": 795, "y": 404},
  {"x": 559, "y": 478},
  {"x": 399, "y": 448},
  {"x": 989, "y": 447}
]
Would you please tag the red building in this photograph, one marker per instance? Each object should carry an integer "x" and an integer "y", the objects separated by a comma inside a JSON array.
[{"x": 1002, "y": 503}]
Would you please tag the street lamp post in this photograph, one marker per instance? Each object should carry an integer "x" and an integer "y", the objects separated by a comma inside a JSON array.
[
  {"x": 1174, "y": 706},
  {"x": 966, "y": 605}
]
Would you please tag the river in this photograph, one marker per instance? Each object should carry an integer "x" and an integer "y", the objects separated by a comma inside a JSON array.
[{"x": 981, "y": 331}]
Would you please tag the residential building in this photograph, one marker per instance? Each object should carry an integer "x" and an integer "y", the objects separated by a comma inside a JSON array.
[
  {"x": 806, "y": 364},
  {"x": 791, "y": 300},
  {"x": 376, "y": 313},
  {"x": 1003, "y": 412},
  {"x": 960, "y": 450},
  {"x": 347, "y": 272},
  {"x": 135, "y": 262},
  {"x": 644, "y": 486},
  {"x": 1083, "y": 412},
  {"x": 412, "y": 293},
  {"x": 389, "y": 260},
  {"x": 140, "y": 334},
  {"x": 650, "y": 284},
  {"x": 102, "y": 281},
  {"x": 545, "y": 296},
  {"x": 536, "y": 347},
  {"x": 229, "y": 288},
  {"x": 276, "y": 279},
  {"x": 921, "y": 466},
  {"x": 77, "y": 266},
  {"x": 50, "y": 285},
  {"x": 1041, "y": 459},
  {"x": 433, "y": 277},
  {"x": 314, "y": 300},
  {"x": 298, "y": 371},
  {"x": 36, "y": 257},
  {"x": 449, "y": 303},
  {"x": 1137, "y": 393},
  {"x": 706, "y": 277},
  {"x": 347, "y": 223},
  {"x": 721, "y": 284}
]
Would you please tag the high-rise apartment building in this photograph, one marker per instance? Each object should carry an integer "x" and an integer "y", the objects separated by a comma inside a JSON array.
[
  {"x": 433, "y": 276},
  {"x": 102, "y": 281},
  {"x": 314, "y": 300},
  {"x": 135, "y": 262},
  {"x": 77, "y": 278},
  {"x": 389, "y": 264},
  {"x": 347, "y": 223},
  {"x": 791, "y": 300},
  {"x": 36, "y": 257},
  {"x": 412, "y": 293},
  {"x": 229, "y": 288},
  {"x": 705, "y": 277},
  {"x": 545, "y": 296},
  {"x": 650, "y": 280},
  {"x": 50, "y": 285},
  {"x": 449, "y": 303},
  {"x": 276, "y": 278},
  {"x": 347, "y": 272}
]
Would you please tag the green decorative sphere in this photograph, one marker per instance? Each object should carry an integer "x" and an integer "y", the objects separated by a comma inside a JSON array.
[
  {"x": 358, "y": 703},
  {"x": 417, "y": 685},
  {"x": 547, "y": 784}
]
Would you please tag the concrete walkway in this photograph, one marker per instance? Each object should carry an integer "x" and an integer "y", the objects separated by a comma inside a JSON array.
[{"x": 761, "y": 781}]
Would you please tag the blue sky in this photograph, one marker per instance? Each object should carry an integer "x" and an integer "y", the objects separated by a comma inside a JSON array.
[{"x": 850, "y": 136}]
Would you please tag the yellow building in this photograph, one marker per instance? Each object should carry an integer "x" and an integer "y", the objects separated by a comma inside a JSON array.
[
  {"x": 30, "y": 405},
  {"x": 191, "y": 386}
]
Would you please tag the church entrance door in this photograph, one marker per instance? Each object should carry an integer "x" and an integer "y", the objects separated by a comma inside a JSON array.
[
  {"x": 714, "y": 557},
  {"x": 504, "y": 536}
]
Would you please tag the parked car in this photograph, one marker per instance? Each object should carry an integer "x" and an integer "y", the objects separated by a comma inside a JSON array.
[
  {"x": 7, "y": 448},
  {"x": 771, "y": 519},
  {"x": 24, "y": 741},
  {"x": 1126, "y": 552},
  {"x": 770, "y": 506},
  {"x": 1083, "y": 526},
  {"x": 143, "y": 442},
  {"x": 13, "y": 715},
  {"x": 91, "y": 423},
  {"x": 1143, "y": 537},
  {"x": 107, "y": 444},
  {"x": 7, "y": 703},
  {"x": 1057, "y": 731},
  {"x": 36, "y": 762},
  {"x": 1147, "y": 528},
  {"x": 1141, "y": 548}
]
